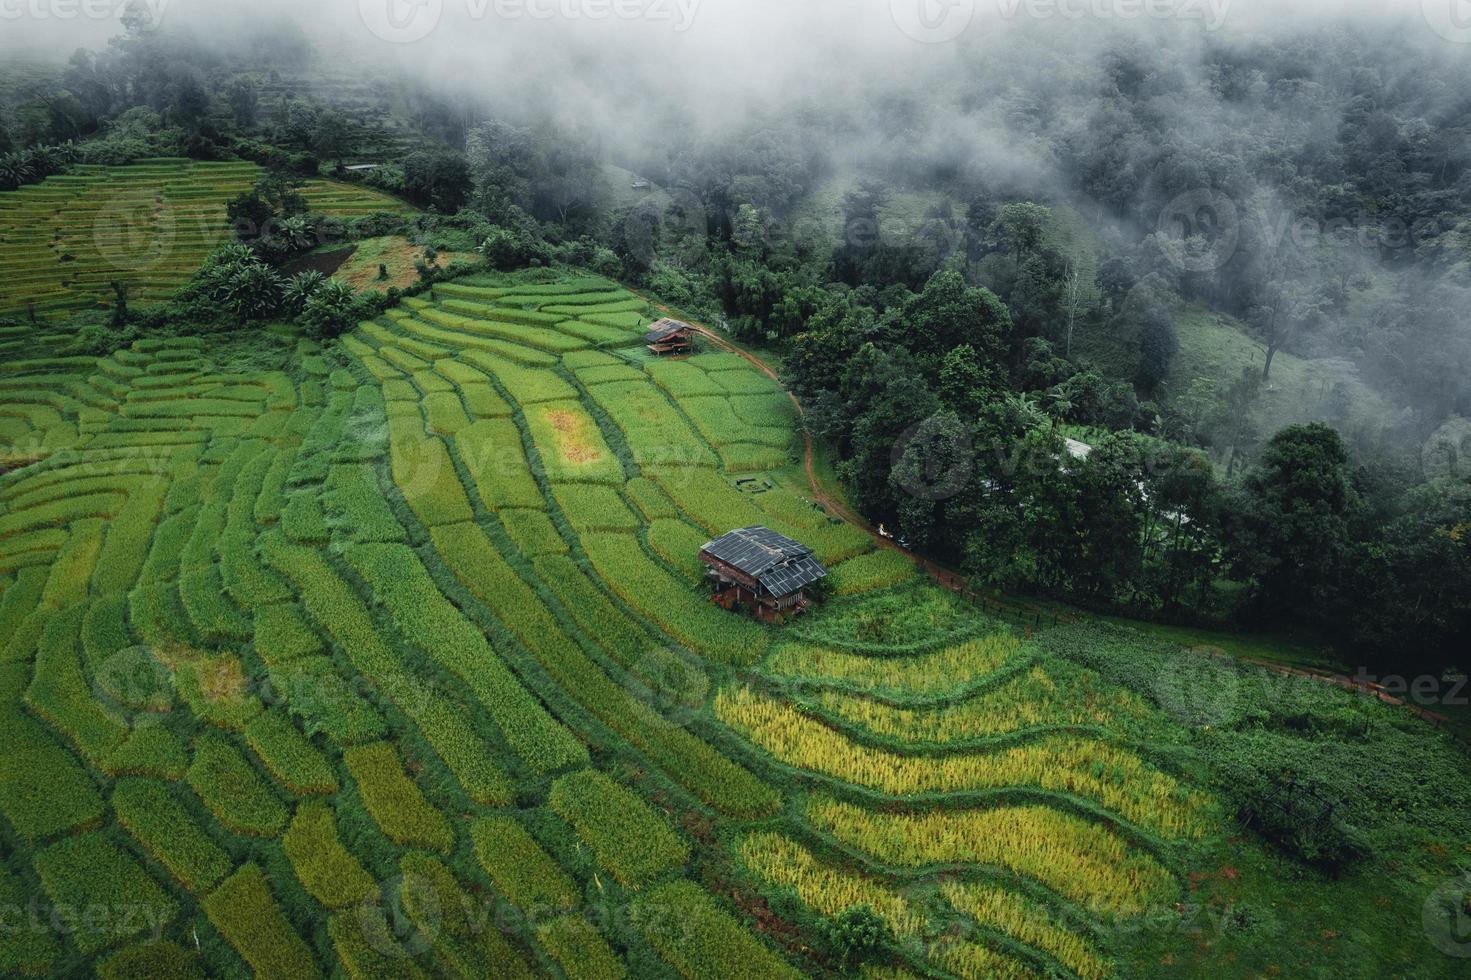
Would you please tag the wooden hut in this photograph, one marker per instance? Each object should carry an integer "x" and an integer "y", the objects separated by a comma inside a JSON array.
[
  {"x": 671, "y": 337},
  {"x": 763, "y": 571}
]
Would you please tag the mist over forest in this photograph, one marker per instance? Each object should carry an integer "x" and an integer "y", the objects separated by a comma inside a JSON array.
[{"x": 766, "y": 489}]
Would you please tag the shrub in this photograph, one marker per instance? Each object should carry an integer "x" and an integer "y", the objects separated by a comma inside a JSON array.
[
  {"x": 234, "y": 792},
  {"x": 394, "y": 801},
  {"x": 628, "y": 838},
  {"x": 331, "y": 310},
  {"x": 325, "y": 868},
  {"x": 149, "y": 811},
  {"x": 523, "y": 872},
  {"x": 246, "y": 914},
  {"x": 856, "y": 935}
]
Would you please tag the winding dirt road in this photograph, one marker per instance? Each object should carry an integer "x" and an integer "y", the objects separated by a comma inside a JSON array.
[{"x": 955, "y": 582}]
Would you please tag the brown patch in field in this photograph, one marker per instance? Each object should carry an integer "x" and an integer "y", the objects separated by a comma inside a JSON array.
[
  {"x": 398, "y": 255},
  {"x": 571, "y": 430}
]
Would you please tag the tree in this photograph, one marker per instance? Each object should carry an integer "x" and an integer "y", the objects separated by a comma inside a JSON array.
[
  {"x": 1019, "y": 229},
  {"x": 856, "y": 935},
  {"x": 440, "y": 178},
  {"x": 244, "y": 101},
  {"x": 948, "y": 313},
  {"x": 1158, "y": 345},
  {"x": 1291, "y": 531},
  {"x": 334, "y": 137},
  {"x": 332, "y": 310}
]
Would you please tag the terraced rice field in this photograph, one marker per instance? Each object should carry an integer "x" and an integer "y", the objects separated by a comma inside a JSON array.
[
  {"x": 65, "y": 240},
  {"x": 392, "y": 659}
]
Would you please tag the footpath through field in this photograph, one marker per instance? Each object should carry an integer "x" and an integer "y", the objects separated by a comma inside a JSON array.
[{"x": 1004, "y": 606}]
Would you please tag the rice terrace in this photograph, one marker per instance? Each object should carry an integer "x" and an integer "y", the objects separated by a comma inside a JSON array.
[{"x": 536, "y": 613}]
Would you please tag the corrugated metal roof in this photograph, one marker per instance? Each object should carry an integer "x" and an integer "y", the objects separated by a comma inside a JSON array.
[
  {"x": 664, "y": 329},
  {"x": 781, "y": 565}
]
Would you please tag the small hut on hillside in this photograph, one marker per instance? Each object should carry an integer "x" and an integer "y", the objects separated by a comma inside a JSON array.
[
  {"x": 766, "y": 572},
  {"x": 671, "y": 337}
]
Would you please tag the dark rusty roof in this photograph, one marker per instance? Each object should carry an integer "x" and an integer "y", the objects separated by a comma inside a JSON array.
[
  {"x": 665, "y": 329},
  {"x": 782, "y": 566}
]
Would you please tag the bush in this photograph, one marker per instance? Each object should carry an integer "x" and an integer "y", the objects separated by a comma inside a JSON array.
[
  {"x": 331, "y": 310},
  {"x": 511, "y": 248},
  {"x": 234, "y": 284},
  {"x": 856, "y": 936}
]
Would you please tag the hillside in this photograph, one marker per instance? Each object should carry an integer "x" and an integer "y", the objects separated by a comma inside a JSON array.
[
  {"x": 149, "y": 225},
  {"x": 300, "y": 638}
]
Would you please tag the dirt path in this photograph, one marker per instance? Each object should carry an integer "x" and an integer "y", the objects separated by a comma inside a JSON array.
[{"x": 950, "y": 579}]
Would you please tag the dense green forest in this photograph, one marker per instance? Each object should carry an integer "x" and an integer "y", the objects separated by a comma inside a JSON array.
[{"x": 1234, "y": 265}]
